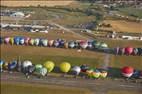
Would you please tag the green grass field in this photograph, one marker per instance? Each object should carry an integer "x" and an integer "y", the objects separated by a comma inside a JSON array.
[{"x": 8, "y": 88}]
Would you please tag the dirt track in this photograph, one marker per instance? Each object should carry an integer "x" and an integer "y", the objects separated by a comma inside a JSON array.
[
  {"x": 99, "y": 86},
  {"x": 27, "y": 3}
]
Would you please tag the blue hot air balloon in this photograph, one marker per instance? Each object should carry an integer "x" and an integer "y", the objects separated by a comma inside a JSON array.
[
  {"x": 56, "y": 43},
  {"x": 22, "y": 40},
  {"x": 1, "y": 65},
  {"x": 17, "y": 40},
  {"x": 12, "y": 65}
]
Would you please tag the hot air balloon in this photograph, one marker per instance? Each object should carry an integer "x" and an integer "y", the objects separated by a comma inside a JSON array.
[
  {"x": 96, "y": 74},
  {"x": 89, "y": 72},
  {"x": 31, "y": 42},
  {"x": 11, "y": 40},
  {"x": 83, "y": 44},
  {"x": 36, "y": 42},
  {"x": 139, "y": 51},
  {"x": 31, "y": 69},
  {"x": 6, "y": 40},
  {"x": 97, "y": 45},
  {"x": 103, "y": 74},
  {"x": 71, "y": 44},
  {"x": 121, "y": 51},
  {"x": 56, "y": 43},
  {"x": 116, "y": 50},
  {"x": 22, "y": 40},
  {"x": 26, "y": 63},
  {"x": 1, "y": 65},
  {"x": 90, "y": 46},
  {"x": 51, "y": 43},
  {"x": 38, "y": 67},
  {"x": 103, "y": 45},
  {"x": 65, "y": 67},
  {"x": 128, "y": 50},
  {"x": 1, "y": 40},
  {"x": 12, "y": 65},
  {"x": 27, "y": 39},
  {"x": 127, "y": 71},
  {"x": 94, "y": 43},
  {"x": 135, "y": 51},
  {"x": 17, "y": 40},
  {"x": 44, "y": 42},
  {"x": 77, "y": 44},
  {"x": 66, "y": 45},
  {"x": 49, "y": 65},
  {"x": 84, "y": 68},
  {"x": 61, "y": 42},
  {"x": 5, "y": 65},
  {"x": 76, "y": 70},
  {"x": 140, "y": 75},
  {"x": 43, "y": 71}
]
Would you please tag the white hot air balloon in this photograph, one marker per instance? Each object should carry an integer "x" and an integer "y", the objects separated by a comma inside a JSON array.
[
  {"x": 26, "y": 63},
  {"x": 76, "y": 70}
]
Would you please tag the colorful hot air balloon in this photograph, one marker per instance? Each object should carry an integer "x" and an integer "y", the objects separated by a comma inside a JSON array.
[
  {"x": 103, "y": 45},
  {"x": 51, "y": 43},
  {"x": 44, "y": 42},
  {"x": 83, "y": 44},
  {"x": 121, "y": 51},
  {"x": 76, "y": 70},
  {"x": 11, "y": 40},
  {"x": 96, "y": 74},
  {"x": 43, "y": 71},
  {"x": 49, "y": 65},
  {"x": 37, "y": 68},
  {"x": 27, "y": 39},
  {"x": 97, "y": 45},
  {"x": 89, "y": 72},
  {"x": 17, "y": 40},
  {"x": 36, "y": 42},
  {"x": 22, "y": 40},
  {"x": 127, "y": 71},
  {"x": 1, "y": 65},
  {"x": 56, "y": 43},
  {"x": 6, "y": 40},
  {"x": 66, "y": 45},
  {"x": 84, "y": 68},
  {"x": 26, "y": 63},
  {"x": 71, "y": 44},
  {"x": 128, "y": 50},
  {"x": 12, "y": 65},
  {"x": 90, "y": 45},
  {"x": 65, "y": 67},
  {"x": 103, "y": 74},
  {"x": 135, "y": 51},
  {"x": 31, "y": 42}
]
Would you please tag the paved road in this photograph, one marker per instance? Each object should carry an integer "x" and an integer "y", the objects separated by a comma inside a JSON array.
[{"x": 98, "y": 86}]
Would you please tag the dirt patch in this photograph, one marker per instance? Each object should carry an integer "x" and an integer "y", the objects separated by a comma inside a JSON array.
[
  {"x": 125, "y": 26},
  {"x": 26, "y": 3}
]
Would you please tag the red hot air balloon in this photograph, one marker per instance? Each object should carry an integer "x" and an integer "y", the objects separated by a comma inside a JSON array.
[
  {"x": 127, "y": 71},
  {"x": 128, "y": 50}
]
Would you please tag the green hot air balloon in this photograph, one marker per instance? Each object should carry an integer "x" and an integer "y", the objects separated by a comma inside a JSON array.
[
  {"x": 65, "y": 67},
  {"x": 49, "y": 65},
  {"x": 38, "y": 67},
  {"x": 96, "y": 74}
]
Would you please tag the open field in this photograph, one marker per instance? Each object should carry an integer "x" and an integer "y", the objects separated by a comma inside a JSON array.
[
  {"x": 26, "y": 3},
  {"x": 125, "y": 26},
  {"x": 13, "y": 88}
]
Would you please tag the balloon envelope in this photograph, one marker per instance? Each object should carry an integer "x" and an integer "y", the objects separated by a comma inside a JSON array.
[
  {"x": 84, "y": 68},
  {"x": 17, "y": 40},
  {"x": 84, "y": 44},
  {"x": 65, "y": 67},
  {"x": 103, "y": 74},
  {"x": 44, "y": 42},
  {"x": 71, "y": 44},
  {"x": 129, "y": 50},
  {"x": 76, "y": 69},
  {"x": 12, "y": 65},
  {"x": 22, "y": 40},
  {"x": 6, "y": 40},
  {"x": 43, "y": 71},
  {"x": 26, "y": 63},
  {"x": 127, "y": 71},
  {"x": 36, "y": 41},
  {"x": 96, "y": 74},
  {"x": 49, "y": 65},
  {"x": 51, "y": 42}
]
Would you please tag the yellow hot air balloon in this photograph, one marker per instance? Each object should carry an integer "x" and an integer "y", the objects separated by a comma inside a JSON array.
[
  {"x": 103, "y": 74},
  {"x": 65, "y": 67},
  {"x": 49, "y": 65},
  {"x": 11, "y": 41}
]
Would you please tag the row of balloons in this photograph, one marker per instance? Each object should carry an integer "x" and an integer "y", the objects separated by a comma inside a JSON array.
[
  {"x": 19, "y": 40},
  {"x": 84, "y": 44},
  {"x": 42, "y": 70}
]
